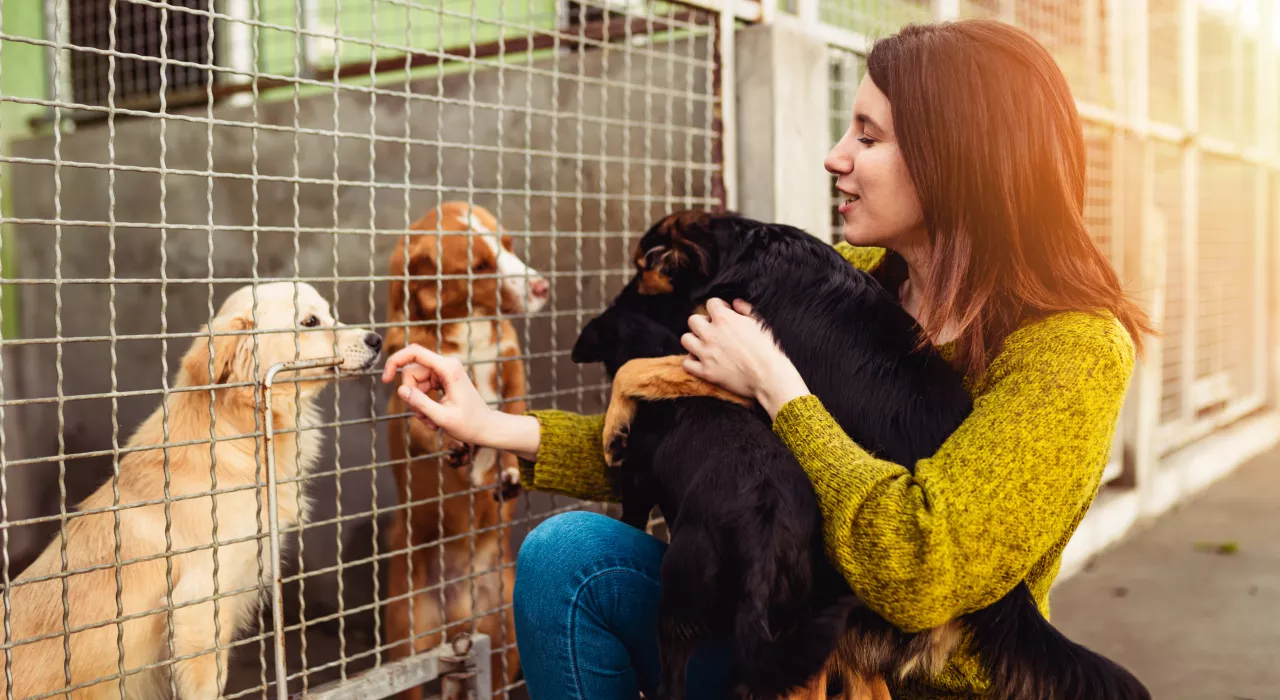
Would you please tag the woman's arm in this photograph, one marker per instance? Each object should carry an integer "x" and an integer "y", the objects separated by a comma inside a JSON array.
[
  {"x": 923, "y": 547},
  {"x": 558, "y": 451}
]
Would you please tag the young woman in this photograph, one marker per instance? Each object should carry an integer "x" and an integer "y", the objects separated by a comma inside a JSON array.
[{"x": 963, "y": 172}]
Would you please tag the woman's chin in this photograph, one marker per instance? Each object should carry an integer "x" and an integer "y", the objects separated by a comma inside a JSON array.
[{"x": 854, "y": 236}]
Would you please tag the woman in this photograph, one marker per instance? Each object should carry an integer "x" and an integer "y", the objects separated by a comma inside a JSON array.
[{"x": 963, "y": 172}]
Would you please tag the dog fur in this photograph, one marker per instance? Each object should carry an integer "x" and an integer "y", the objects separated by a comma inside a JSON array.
[
  {"x": 746, "y": 563},
  {"x": 860, "y": 353},
  {"x": 457, "y": 316},
  {"x": 147, "y": 582}
]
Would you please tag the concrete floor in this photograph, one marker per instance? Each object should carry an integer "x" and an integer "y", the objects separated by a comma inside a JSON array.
[{"x": 1191, "y": 602}]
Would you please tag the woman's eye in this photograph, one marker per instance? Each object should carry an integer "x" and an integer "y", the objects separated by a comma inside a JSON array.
[
  {"x": 311, "y": 321},
  {"x": 865, "y": 141}
]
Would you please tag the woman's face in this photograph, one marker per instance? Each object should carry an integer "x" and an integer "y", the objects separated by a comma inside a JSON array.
[{"x": 880, "y": 206}]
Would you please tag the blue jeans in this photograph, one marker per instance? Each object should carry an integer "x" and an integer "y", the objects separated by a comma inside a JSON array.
[{"x": 586, "y": 609}]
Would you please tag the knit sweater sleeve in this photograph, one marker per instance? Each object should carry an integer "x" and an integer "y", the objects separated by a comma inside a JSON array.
[
  {"x": 570, "y": 457},
  {"x": 923, "y": 548}
]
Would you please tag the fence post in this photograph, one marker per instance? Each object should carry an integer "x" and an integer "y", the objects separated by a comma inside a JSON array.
[
  {"x": 1189, "y": 35},
  {"x": 783, "y": 127},
  {"x": 1145, "y": 259}
]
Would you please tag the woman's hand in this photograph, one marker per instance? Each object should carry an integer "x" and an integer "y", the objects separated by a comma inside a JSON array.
[
  {"x": 461, "y": 411},
  {"x": 733, "y": 350}
]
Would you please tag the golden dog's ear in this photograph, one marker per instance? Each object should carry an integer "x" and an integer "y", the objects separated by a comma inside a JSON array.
[{"x": 232, "y": 354}]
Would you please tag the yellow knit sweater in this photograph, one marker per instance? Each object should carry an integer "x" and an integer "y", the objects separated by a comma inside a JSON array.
[{"x": 996, "y": 505}]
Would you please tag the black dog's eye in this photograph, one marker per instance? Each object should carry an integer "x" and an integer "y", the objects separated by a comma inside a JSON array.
[
  {"x": 311, "y": 321},
  {"x": 653, "y": 258}
]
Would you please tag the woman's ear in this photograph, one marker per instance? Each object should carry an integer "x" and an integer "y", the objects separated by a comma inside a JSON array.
[{"x": 230, "y": 357}]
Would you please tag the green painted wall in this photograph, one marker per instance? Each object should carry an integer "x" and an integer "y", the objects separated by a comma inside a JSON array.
[{"x": 21, "y": 76}]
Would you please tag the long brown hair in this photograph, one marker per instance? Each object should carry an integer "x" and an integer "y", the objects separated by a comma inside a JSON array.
[{"x": 989, "y": 131}]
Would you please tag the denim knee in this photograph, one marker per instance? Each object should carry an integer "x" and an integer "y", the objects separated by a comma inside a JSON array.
[{"x": 561, "y": 544}]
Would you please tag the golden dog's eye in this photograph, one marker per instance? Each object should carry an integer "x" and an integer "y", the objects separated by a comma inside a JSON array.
[{"x": 311, "y": 321}]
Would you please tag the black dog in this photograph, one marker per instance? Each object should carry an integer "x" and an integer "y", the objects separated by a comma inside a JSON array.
[
  {"x": 746, "y": 563},
  {"x": 859, "y": 352}
]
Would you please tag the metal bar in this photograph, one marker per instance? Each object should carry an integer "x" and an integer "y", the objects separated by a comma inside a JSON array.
[
  {"x": 1188, "y": 35},
  {"x": 403, "y": 674},
  {"x": 843, "y": 38},
  {"x": 724, "y": 114},
  {"x": 591, "y": 33},
  {"x": 273, "y": 506}
]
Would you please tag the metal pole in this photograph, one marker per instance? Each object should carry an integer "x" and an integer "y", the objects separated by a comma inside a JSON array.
[{"x": 273, "y": 506}]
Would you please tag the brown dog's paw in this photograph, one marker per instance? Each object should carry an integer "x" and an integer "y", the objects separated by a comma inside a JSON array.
[
  {"x": 508, "y": 485},
  {"x": 458, "y": 454}
]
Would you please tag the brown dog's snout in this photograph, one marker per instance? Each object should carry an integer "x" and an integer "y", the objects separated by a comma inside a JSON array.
[
  {"x": 539, "y": 288},
  {"x": 373, "y": 341}
]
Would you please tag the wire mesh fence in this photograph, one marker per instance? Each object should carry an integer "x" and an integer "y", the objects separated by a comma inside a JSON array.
[
  {"x": 468, "y": 176},
  {"x": 384, "y": 159}
]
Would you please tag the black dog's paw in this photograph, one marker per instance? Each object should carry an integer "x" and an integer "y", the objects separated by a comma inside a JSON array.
[{"x": 617, "y": 446}]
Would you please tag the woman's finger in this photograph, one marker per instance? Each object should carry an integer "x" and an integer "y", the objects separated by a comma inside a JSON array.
[
  {"x": 426, "y": 422},
  {"x": 693, "y": 344},
  {"x": 699, "y": 325},
  {"x": 421, "y": 403},
  {"x": 410, "y": 354},
  {"x": 742, "y": 307},
  {"x": 716, "y": 308},
  {"x": 694, "y": 367},
  {"x": 446, "y": 370}
]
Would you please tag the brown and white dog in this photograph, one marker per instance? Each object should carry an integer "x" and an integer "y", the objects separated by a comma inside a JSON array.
[
  {"x": 214, "y": 554},
  {"x": 461, "y": 272}
]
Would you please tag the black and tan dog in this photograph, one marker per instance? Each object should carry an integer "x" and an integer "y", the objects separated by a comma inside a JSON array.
[
  {"x": 746, "y": 565},
  {"x": 859, "y": 352}
]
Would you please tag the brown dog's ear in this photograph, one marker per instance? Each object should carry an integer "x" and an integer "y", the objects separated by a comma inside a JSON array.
[
  {"x": 395, "y": 289},
  {"x": 422, "y": 292},
  {"x": 231, "y": 353}
]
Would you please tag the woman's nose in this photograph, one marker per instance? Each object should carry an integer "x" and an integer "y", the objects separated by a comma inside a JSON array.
[{"x": 839, "y": 160}]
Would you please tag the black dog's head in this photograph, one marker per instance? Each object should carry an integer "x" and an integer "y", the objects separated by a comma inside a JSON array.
[
  {"x": 683, "y": 251},
  {"x": 623, "y": 333}
]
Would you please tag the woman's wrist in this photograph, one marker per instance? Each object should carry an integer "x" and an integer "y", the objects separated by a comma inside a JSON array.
[
  {"x": 520, "y": 435},
  {"x": 782, "y": 386}
]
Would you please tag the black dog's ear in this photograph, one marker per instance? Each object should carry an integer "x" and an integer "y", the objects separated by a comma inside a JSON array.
[{"x": 726, "y": 236}]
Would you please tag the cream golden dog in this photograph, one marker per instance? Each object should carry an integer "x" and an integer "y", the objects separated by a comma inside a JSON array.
[{"x": 140, "y": 586}]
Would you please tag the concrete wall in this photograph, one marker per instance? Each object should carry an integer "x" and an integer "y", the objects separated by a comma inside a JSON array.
[
  {"x": 583, "y": 157},
  {"x": 784, "y": 123}
]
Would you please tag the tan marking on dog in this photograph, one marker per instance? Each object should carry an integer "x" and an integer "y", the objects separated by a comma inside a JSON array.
[
  {"x": 653, "y": 379},
  {"x": 654, "y": 282}
]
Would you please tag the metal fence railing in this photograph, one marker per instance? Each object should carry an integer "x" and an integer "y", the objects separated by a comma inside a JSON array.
[
  {"x": 160, "y": 154},
  {"x": 183, "y": 150}
]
